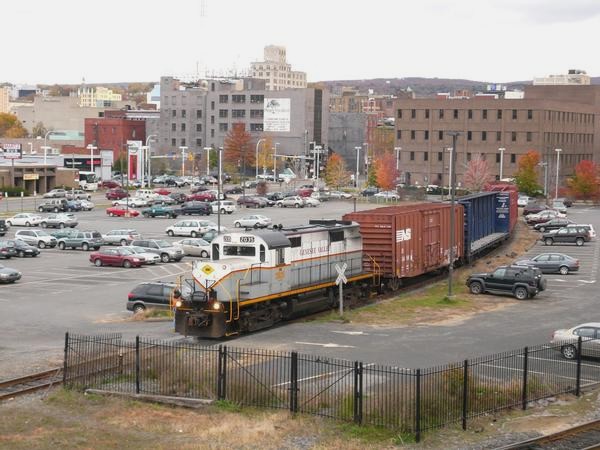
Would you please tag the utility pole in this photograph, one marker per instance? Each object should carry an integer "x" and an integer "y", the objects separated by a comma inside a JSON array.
[
  {"x": 183, "y": 153},
  {"x": 454, "y": 135},
  {"x": 219, "y": 193}
]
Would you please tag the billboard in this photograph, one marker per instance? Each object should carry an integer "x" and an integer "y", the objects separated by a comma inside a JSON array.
[
  {"x": 277, "y": 114},
  {"x": 11, "y": 151}
]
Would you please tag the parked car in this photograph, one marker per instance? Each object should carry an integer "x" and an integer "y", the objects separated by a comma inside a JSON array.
[
  {"x": 234, "y": 190},
  {"x": 339, "y": 194},
  {"x": 567, "y": 235},
  {"x": 368, "y": 192},
  {"x": 178, "y": 197},
  {"x": 291, "y": 202},
  {"x": 160, "y": 211},
  {"x": 267, "y": 201},
  {"x": 23, "y": 249},
  {"x": 210, "y": 235},
  {"x": 59, "y": 221},
  {"x": 250, "y": 201},
  {"x": 559, "y": 206},
  {"x": 55, "y": 193},
  {"x": 190, "y": 208},
  {"x": 588, "y": 227},
  {"x": 275, "y": 196},
  {"x": 552, "y": 224},
  {"x": 122, "y": 211},
  {"x": 84, "y": 240},
  {"x": 190, "y": 227},
  {"x": 194, "y": 247},
  {"x": 154, "y": 294},
  {"x": 198, "y": 188},
  {"x": 39, "y": 238},
  {"x": 523, "y": 200},
  {"x": 8, "y": 275},
  {"x": 566, "y": 340},
  {"x": 146, "y": 194},
  {"x": 162, "y": 191},
  {"x": 253, "y": 221},
  {"x": 520, "y": 281},
  {"x": 86, "y": 205},
  {"x": 164, "y": 249},
  {"x": 250, "y": 184},
  {"x": 552, "y": 263},
  {"x": 55, "y": 205},
  {"x": 73, "y": 205},
  {"x": 78, "y": 194},
  {"x": 64, "y": 232},
  {"x": 109, "y": 184},
  {"x": 534, "y": 208},
  {"x": 116, "y": 256},
  {"x": 543, "y": 216},
  {"x": 116, "y": 194},
  {"x": 387, "y": 195},
  {"x": 162, "y": 200},
  {"x": 133, "y": 202},
  {"x": 305, "y": 191},
  {"x": 7, "y": 249},
  {"x": 3, "y": 227},
  {"x": 204, "y": 196},
  {"x": 24, "y": 220},
  {"x": 121, "y": 237},
  {"x": 226, "y": 206},
  {"x": 566, "y": 201},
  {"x": 146, "y": 256}
]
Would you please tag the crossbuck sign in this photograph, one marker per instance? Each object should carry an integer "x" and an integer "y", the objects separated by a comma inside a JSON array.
[{"x": 340, "y": 281}]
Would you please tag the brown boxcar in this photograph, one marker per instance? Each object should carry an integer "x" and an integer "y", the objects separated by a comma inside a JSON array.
[{"x": 410, "y": 240}]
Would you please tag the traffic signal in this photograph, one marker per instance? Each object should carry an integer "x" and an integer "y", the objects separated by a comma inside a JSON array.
[{"x": 190, "y": 156}]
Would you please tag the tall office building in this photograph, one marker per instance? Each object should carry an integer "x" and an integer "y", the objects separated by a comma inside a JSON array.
[{"x": 276, "y": 71}]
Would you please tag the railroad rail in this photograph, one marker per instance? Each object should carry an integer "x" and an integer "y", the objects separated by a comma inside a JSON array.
[
  {"x": 30, "y": 383},
  {"x": 581, "y": 437}
]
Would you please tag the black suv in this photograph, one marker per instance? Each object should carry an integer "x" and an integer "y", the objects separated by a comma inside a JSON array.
[
  {"x": 521, "y": 281},
  {"x": 189, "y": 208},
  {"x": 3, "y": 227},
  {"x": 568, "y": 235},
  {"x": 150, "y": 295}
]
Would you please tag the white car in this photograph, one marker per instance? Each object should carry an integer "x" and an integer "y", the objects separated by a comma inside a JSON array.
[
  {"x": 253, "y": 221},
  {"x": 565, "y": 340},
  {"x": 38, "y": 238},
  {"x": 191, "y": 227},
  {"x": 24, "y": 220},
  {"x": 146, "y": 194},
  {"x": 86, "y": 205},
  {"x": 227, "y": 206},
  {"x": 587, "y": 225},
  {"x": 387, "y": 195},
  {"x": 339, "y": 194},
  {"x": 310, "y": 201},
  {"x": 194, "y": 247},
  {"x": 146, "y": 256},
  {"x": 522, "y": 201},
  {"x": 134, "y": 202}
]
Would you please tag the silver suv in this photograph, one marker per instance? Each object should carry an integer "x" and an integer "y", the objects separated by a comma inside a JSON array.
[
  {"x": 121, "y": 237},
  {"x": 37, "y": 238},
  {"x": 78, "y": 194},
  {"x": 164, "y": 249},
  {"x": 59, "y": 221}
]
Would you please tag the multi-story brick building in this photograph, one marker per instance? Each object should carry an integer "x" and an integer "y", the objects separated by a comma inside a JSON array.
[
  {"x": 113, "y": 133},
  {"x": 276, "y": 71},
  {"x": 546, "y": 118}
]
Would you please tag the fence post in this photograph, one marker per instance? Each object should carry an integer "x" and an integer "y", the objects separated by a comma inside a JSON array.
[
  {"x": 418, "y": 408},
  {"x": 358, "y": 392},
  {"x": 219, "y": 372},
  {"x": 66, "y": 356},
  {"x": 294, "y": 383},
  {"x": 137, "y": 364},
  {"x": 578, "y": 376},
  {"x": 465, "y": 393},
  {"x": 525, "y": 361},
  {"x": 222, "y": 373}
]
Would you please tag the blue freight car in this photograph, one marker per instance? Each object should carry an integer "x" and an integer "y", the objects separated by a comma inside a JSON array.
[{"x": 486, "y": 225}]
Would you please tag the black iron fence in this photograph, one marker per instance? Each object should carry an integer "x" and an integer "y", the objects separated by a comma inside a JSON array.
[{"x": 408, "y": 400}]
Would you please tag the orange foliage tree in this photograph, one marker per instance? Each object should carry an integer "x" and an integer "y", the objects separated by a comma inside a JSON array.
[
  {"x": 11, "y": 127},
  {"x": 385, "y": 169},
  {"x": 585, "y": 184},
  {"x": 238, "y": 149},
  {"x": 336, "y": 173}
]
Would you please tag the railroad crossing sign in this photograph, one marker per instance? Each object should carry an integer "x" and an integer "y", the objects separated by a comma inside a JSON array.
[{"x": 340, "y": 281}]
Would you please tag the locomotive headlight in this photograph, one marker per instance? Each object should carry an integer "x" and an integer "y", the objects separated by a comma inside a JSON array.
[
  {"x": 178, "y": 304},
  {"x": 217, "y": 306}
]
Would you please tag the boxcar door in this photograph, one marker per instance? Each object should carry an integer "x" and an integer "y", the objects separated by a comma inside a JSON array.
[{"x": 431, "y": 238}]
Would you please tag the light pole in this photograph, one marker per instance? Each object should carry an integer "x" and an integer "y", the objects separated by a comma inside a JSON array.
[
  {"x": 208, "y": 149},
  {"x": 545, "y": 166},
  {"x": 398, "y": 150},
  {"x": 275, "y": 162},
  {"x": 318, "y": 149},
  {"x": 146, "y": 159},
  {"x": 219, "y": 193},
  {"x": 48, "y": 133},
  {"x": 91, "y": 148},
  {"x": 183, "y": 149},
  {"x": 452, "y": 174},
  {"x": 501, "y": 150},
  {"x": 366, "y": 146},
  {"x": 557, "y": 150},
  {"x": 357, "y": 160},
  {"x": 256, "y": 160}
]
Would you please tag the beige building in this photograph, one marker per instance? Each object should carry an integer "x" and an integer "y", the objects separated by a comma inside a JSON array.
[
  {"x": 276, "y": 71},
  {"x": 97, "y": 97},
  {"x": 4, "y": 99},
  {"x": 574, "y": 77}
]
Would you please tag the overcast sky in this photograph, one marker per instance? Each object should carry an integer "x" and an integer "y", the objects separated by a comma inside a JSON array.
[{"x": 63, "y": 41}]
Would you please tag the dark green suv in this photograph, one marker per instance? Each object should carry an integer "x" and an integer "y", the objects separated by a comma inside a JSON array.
[
  {"x": 520, "y": 281},
  {"x": 159, "y": 211}
]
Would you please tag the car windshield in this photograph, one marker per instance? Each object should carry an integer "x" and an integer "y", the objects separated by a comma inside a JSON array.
[
  {"x": 163, "y": 244},
  {"x": 126, "y": 251}
]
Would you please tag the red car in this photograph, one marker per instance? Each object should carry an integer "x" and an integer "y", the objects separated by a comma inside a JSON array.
[
  {"x": 305, "y": 192},
  {"x": 109, "y": 184},
  {"x": 162, "y": 191},
  {"x": 122, "y": 211},
  {"x": 119, "y": 256},
  {"x": 202, "y": 197},
  {"x": 116, "y": 194}
]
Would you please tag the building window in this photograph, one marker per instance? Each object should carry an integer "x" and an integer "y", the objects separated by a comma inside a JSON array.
[
  {"x": 426, "y": 156},
  {"x": 412, "y": 135},
  {"x": 497, "y": 158},
  {"x": 198, "y": 127},
  {"x": 173, "y": 127},
  {"x": 238, "y": 113},
  {"x": 238, "y": 99},
  {"x": 484, "y": 114},
  {"x": 529, "y": 114},
  {"x": 183, "y": 113},
  {"x": 223, "y": 113},
  {"x": 399, "y": 114},
  {"x": 212, "y": 106},
  {"x": 426, "y": 136},
  {"x": 413, "y": 113},
  {"x": 440, "y": 135},
  {"x": 223, "y": 98},
  {"x": 412, "y": 156},
  {"x": 257, "y": 99},
  {"x": 499, "y": 114},
  {"x": 514, "y": 114},
  {"x": 199, "y": 142},
  {"x": 469, "y": 135},
  {"x": 399, "y": 134},
  {"x": 256, "y": 113},
  {"x": 174, "y": 113},
  {"x": 174, "y": 142},
  {"x": 529, "y": 136},
  {"x": 427, "y": 114},
  {"x": 212, "y": 120},
  {"x": 183, "y": 127},
  {"x": 470, "y": 114},
  {"x": 513, "y": 136},
  {"x": 456, "y": 113},
  {"x": 441, "y": 113},
  {"x": 440, "y": 156},
  {"x": 498, "y": 136},
  {"x": 223, "y": 127},
  {"x": 199, "y": 114},
  {"x": 256, "y": 127},
  {"x": 212, "y": 132},
  {"x": 484, "y": 135},
  {"x": 513, "y": 158},
  {"x": 468, "y": 156},
  {"x": 182, "y": 142}
]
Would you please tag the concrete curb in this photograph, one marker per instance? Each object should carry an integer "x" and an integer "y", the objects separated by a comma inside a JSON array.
[{"x": 177, "y": 401}]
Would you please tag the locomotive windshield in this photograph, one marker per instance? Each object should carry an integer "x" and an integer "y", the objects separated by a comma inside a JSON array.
[{"x": 239, "y": 250}]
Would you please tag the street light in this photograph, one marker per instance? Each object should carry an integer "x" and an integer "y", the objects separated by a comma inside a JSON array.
[
  {"x": 398, "y": 150},
  {"x": 366, "y": 146},
  {"x": 275, "y": 162},
  {"x": 452, "y": 174},
  {"x": 318, "y": 149},
  {"x": 357, "y": 160},
  {"x": 501, "y": 150},
  {"x": 183, "y": 149},
  {"x": 91, "y": 148},
  {"x": 207, "y": 149},
  {"x": 256, "y": 161},
  {"x": 48, "y": 133},
  {"x": 146, "y": 159},
  {"x": 557, "y": 150},
  {"x": 219, "y": 192},
  {"x": 545, "y": 166}
]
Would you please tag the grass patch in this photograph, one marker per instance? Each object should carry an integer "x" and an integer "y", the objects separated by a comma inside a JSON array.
[
  {"x": 152, "y": 313},
  {"x": 227, "y": 405},
  {"x": 373, "y": 435}
]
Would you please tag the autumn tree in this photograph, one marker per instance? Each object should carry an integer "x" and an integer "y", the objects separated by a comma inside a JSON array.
[
  {"x": 477, "y": 174},
  {"x": 526, "y": 176},
  {"x": 336, "y": 173},
  {"x": 585, "y": 184},
  {"x": 39, "y": 130},
  {"x": 385, "y": 169},
  {"x": 265, "y": 153},
  {"x": 237, "y": 148},
  {"x": 11, "y": 127}
]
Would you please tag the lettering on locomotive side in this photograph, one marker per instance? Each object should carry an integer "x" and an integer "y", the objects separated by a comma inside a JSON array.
[
  {"x": 313, "y": 251},
  {"x": 403, "y": 235},
  {"x": 226, "y": 238}
]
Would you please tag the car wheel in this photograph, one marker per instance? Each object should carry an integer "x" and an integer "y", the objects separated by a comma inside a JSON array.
[
  {"x": 237, "y": 225},
  {"x": 146, "y": 215},
  {"x": 62, "y": 245},
  {"x": 579, "y": 242},
  {"x": 110, "y": 214},
  {"x": 9, "y": 223},
  {"x": 21, "y": 254},
  {"x": 98, "y": 262},
  {"x": 280, "y": 205},
  {"x": 255, "y": 225},
  {"x": 61, "y": 225},
  {"x": 203, "y": 254},
  {"x": 170, "y": 233},
  {"x": 27, "y": 224},
  {"x": 194, "y": 234},
  {"x": 55, "y": 210},
  {"x": 223, "y": 211},
  {"x": 85, "y": 246},
  {"x": 123, "y": 242},
  {"x": 569, "y": 351},
  {"x": 542, "y": 229},
  {"x": 40, "y": 209},
  {"x": 548, "y": 241},
  {"x": 164, "y": 258},
  {"x": 230, "y": 212},
  {"x": 476, "y": 288},
  {"x": 41, "y": 244},
  {"x": 297, "y": 205},
  {"x": 127, "y": 264},
  {"x": 521, "y": 293},
  {"x": 564, "y": 270}
]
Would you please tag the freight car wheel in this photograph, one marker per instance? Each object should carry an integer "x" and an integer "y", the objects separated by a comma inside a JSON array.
[{"x": 394, "y": 284}]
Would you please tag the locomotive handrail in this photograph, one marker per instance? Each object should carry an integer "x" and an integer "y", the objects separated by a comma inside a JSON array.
[{"x": 376, "y": 268}]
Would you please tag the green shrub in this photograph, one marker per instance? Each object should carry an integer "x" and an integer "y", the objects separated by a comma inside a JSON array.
[{"x": 13, "y": 191}]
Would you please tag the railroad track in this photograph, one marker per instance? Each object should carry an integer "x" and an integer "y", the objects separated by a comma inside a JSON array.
[
  {"x": 581, "y": 437},
  {"x": 30, "y": 383}
]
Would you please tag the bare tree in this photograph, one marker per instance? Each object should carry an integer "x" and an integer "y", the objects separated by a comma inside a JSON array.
[{"x": 477, "y": 174}]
